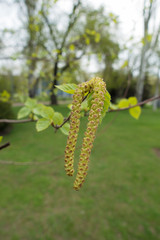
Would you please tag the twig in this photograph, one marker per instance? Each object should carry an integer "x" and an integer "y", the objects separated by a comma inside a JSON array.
[
  {"x": 5, "y": 145},
  {"x": 15, "y": 121},
  {"x": 67, "y": 119},
  {"x": 138, "y": 104}
]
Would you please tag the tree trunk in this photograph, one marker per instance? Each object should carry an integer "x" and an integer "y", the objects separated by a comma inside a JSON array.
[
  {"x": 53, "y": 97},
  {"x": 32, "y": 91},
  {"x": 157, "y": 92},
  {"x": 141, "y": 78}
]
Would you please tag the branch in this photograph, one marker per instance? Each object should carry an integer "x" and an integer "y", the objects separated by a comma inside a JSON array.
[
  {"x": 50, "y": 29},
  {"x": 138, "y": 104},
  {"x": 72, "y": 19},
  {"x": 15, "y": 121},
  {"x": 68, "y": 118},
  {"x": 5, "y": 145}
]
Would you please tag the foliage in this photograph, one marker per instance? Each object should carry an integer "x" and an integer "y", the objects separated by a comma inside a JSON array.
[
  {"x": 134, "y": 112},
  {"x": 5, "y": 96}
]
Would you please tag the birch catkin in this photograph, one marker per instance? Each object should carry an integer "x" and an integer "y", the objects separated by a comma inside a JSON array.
[{"x": 98, "y": 87}]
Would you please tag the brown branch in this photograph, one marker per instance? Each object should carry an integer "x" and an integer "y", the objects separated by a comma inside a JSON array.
[
  {"x": 138, "y": 104},
  {"x": 5, "y": 145},
  {"x": 15, "y": 121},
  {"x": 68, "y": 118}
]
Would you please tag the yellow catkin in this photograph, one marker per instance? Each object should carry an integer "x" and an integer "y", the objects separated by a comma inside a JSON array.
[{"x": 98, "y": 87}]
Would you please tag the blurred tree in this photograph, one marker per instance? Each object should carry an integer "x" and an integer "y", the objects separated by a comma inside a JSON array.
[
  {"x": 34, "y": 40},
  {"x": 56, "y": 41},
  {"x": 149, "y": 43}
]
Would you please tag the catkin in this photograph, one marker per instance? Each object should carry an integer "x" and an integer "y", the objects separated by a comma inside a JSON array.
[{"x": 98, "y": 87}]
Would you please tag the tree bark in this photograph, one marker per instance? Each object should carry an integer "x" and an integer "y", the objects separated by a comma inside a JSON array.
[
  {"x": 53, "y": 98},
  {"x": 157, "y": 92}
]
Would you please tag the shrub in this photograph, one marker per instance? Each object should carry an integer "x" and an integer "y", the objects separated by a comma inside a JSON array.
[{"x": 5, "y": 113}]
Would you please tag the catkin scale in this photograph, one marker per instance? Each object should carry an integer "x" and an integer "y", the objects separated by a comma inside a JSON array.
[{"x": 99, "y": 89}]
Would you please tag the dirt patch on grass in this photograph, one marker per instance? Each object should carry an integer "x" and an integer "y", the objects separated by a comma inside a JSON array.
[{"x": 157, "y": 152}]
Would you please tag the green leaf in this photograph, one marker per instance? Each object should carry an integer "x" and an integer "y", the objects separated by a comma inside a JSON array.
[
  {"x": 68, "y": 88},
  {"x": 135, "y": 112},
  {"x": 89, "y": 99},
  {"x": 106, "y": 105},
  {"x": 1, "y": 137},
  {"x": 123, "y": 103},
  {"x": 30, "y": 103},
  {"x": 38, "y": 109},
  {"x": 84, "y": 106},
  {"x": 44, "y": 111},
  {"x": 58, "y": 118},
  {"x": 87, "y": 40},
  {"x": 69, "y": 106},
  {"x": 132, "y": 101},
  {"x": 47, "y": 112},
  {"x": 65, "y": 128},
  {"x": 42, "y": 124},
  {"x": 23, "y": 112},
  {"x": 149, "y": 37},
  {"x": 125, "y": 64},
  {"x": 97, "y": 37},
  {"x": 113, "y": 106},
  {"x": 72, "y": 47}
]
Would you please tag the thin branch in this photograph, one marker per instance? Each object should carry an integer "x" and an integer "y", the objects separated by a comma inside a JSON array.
[
  {"x": 5, "y": 145},
  {"x": 15, "y": 120},
  {"x": 72, "y": 19},
  {"x": 49, "y": 25},
  {"x": 138, "y": 104},
  {"x": 68, "y": 118}
]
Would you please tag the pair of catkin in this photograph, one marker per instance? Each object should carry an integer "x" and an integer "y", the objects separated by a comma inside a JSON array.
[{"x": 98, "y": 87}]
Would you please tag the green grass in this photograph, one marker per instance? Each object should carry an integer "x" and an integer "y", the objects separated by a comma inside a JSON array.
[{"x": 120, "y": 199}]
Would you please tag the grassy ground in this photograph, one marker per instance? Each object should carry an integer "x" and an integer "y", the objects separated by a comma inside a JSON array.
[{"x": 120, "y": 199}]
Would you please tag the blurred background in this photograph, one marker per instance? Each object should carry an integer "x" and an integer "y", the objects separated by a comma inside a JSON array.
[{"x": 51, "y": 42}]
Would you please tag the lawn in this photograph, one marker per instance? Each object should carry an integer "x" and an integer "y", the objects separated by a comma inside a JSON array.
[{"x": 120, "y": 199}]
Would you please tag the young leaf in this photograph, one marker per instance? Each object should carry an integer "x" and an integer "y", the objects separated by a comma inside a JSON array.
[
  {"x": 44, "y": 111},
  {"x": 87, "y": 40},
  {"x": 97, "y": 37},
  {"x": 68, "y": 88},
  {"x": 1, "y": 137},
  {"x": 69, "y": 106},
  {"x": 42, "y": 124},
  {"x": 106, "y": 105},
  {"x": 125, "y": 64},
  {"x": 132, "y": 101},
  {"x": 58, "y": 118},
  {"x": 89, "y": 99},
  {"x": 38, "y": 109},
  {"x": 113, "y": 106},
  {"x": 72, "y": 47},
  {"x": 30, "y": 103},
  {"x": 123, "y": 103},
  {"x": 135, "y": 112},
  {"x": 65, "y": 129},
  {"x": 47, "y": 112},
  {"x": 84, "y": 106},
  {"x": 23, "y": 112}
]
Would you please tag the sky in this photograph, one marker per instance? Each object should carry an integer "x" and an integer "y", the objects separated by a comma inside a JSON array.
[{"x": 129, "y": 12}]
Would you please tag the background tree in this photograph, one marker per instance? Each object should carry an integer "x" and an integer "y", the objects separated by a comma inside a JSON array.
[{"x": 149, "y": 41}]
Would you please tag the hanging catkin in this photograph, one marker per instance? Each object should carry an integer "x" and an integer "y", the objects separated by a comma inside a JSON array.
[{"x": 98, "y": 87}]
